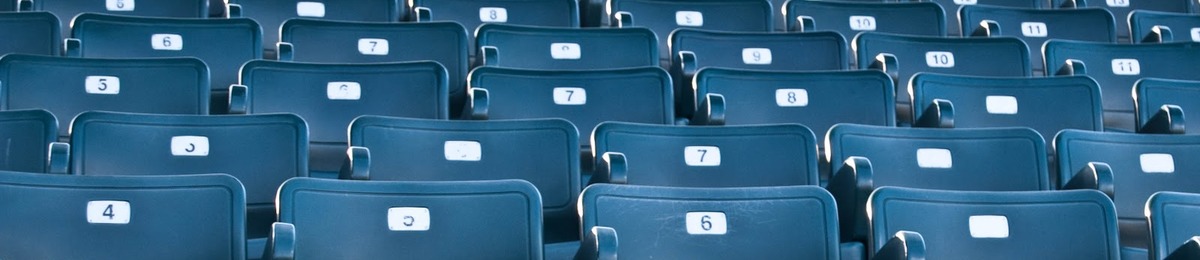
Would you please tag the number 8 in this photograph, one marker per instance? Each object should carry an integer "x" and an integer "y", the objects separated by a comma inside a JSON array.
[{"x": 492, "y": 14}]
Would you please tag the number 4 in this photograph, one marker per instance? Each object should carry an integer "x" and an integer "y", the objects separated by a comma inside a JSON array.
[{"x": 108, "y": 212}]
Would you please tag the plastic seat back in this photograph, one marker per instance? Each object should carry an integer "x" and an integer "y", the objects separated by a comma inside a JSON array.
[
  {"x": 27, "y": 134},
  {"x": 987, "y": 159},
  {"x": 586, "y": 98},
  {"x": 30, "y": 33},
  {"x": 1048, "y": 105},
  {"x": 1142, "y": 24},
  {"x": 724, "y": 223},
  {"x": 1150, "y": 95},
  {"x": 727, "y": 156},
  {"x": 125, "y": 217},
  {"x": 822, "y": 100},
  {"x": 911, "y": 18},
  {"x": 998, "y": 225},
  {"x": 548, "y": 48},
  {"x": 419, "y": 220},
  {"x": 1171, "y": 215}
]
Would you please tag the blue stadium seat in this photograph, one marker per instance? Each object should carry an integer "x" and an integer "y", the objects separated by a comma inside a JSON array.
[
  {"x": 849, "y": 17},
  {"x": 664, "y": 16},
  {"x": 951, "y": 8},
  {"x": 527, "y": 47},
  {"x": 586, "y": 98},
  {"x": 1159, "y": 105},
  {"x": 30, "y": 33},
  {"x": 8, "y": 6},
  {"x": 272, "y": 13},
  {"x": 1172, "y": 216},
  {"x": 223, "y": 44},
  {"x": 1138, "y": 165},
  {"x": 1046, "y": 104},
  {"x": 817, "y": 100},
  {"x": 27, "y": 135},
  {"x": 329, "y": 96},
  {"x": 688, "y": 156},
  {"x": 122, "y": 217},
  {"x": 983, "y": 159},
  {"x": 786, "y": 222},
  {"x": 901, "y": 56},
  {"x": 1122, "y": 8},
  {"x": 68, "y": 9},
  {"x": 142, "y": 85},
  {"x": 262, "y": 151},
  {"x": 499, "y": 219},
  {"x": 472, "y": 13},
  {"x": 1151, "y": 26},
  {"x": 1117, "y": 66},
  {"x": 918, "y": 224},
  {"x": 540, "y": 151},
  {"x": 309, "y": 40},
  {"x": 1036, "y": 26},
  {"x": 692, "y": 50}
]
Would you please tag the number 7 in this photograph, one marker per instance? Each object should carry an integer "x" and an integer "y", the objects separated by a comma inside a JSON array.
[
  {"x": 703, "y": 152},
  {"x": 570, "y": 93}
]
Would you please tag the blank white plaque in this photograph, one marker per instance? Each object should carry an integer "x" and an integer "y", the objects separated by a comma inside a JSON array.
[{"x": 934, "y": 158}]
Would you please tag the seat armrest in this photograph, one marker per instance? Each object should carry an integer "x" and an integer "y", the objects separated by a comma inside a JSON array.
[
  {"x": 903, "y": 245},
  {"x": 1189, "y": 250},
  {"x": 239, "y": 99},
  {"x": 986, "y": 28},
  {"x": 1158, "y": 34},
  {"x": 25, "y": 5},
  {"x": 357, "y": 165},
  {"x": 939, "y": 114},
  {"x": 1069, "y": 4},
  {"x": 422, "y": 14},
  {"x": 281, "y": 243},
  {"x": 1071, "y": 67},
  {"x": 803, "y": 24},
  {"x": 488, "y": 56},
  {"x": 600, "y": 243},
  {"x": 476, "y": 107},
  {"x": 72, "y": 48},
  {"x": 887, "y": 63},
  {"x": 285, "y": 51},
  {"x": 59, "y": 160},
  {"x": 711, "y": 111},
  {"x": 1167, "y": 120},
  {"x": 611, "y": 168},
  {"x": 623, "y": 19},
  {"x": 851, "y": 185},
  {"x": 1096, "y": 176},
  {"x": 233, "y": 11}
]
